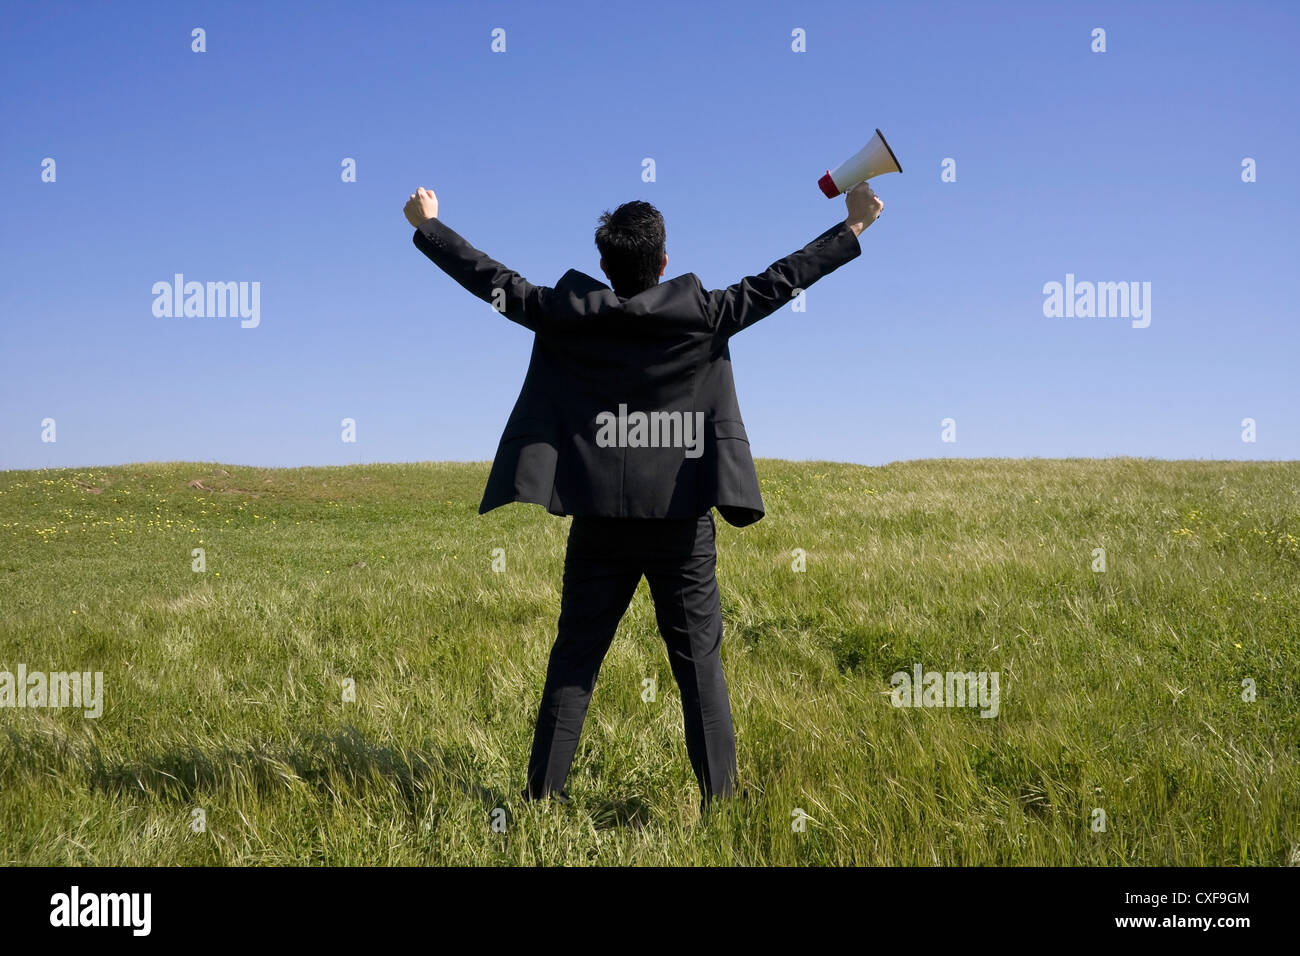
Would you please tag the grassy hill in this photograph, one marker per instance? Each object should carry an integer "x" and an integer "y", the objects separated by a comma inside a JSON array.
[{"x": 1120, "y": 691}]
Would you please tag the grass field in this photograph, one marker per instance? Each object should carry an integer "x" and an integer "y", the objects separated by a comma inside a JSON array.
[{"x": 1120, "y": 691}]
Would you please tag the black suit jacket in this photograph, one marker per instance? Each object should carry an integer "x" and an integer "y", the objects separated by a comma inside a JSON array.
[{"x": 596, "y": 354}]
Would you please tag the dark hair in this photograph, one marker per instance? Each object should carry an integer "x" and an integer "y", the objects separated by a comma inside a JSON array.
[{"x": 631, "y": 241}]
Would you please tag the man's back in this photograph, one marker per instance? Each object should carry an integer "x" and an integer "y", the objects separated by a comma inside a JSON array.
[{"x": 656, "y": 364}]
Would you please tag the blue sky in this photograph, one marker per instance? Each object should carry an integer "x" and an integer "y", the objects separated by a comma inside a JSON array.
[{"x": 225, "y": 166}]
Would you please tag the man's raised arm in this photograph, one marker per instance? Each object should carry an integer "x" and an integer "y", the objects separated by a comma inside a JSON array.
[
  {"x": 741, "y": 305},
  {"x": 478, "y": 273}
]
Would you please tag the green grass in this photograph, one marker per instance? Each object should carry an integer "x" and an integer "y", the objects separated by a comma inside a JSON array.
[{"x": 1120, "y": 690}]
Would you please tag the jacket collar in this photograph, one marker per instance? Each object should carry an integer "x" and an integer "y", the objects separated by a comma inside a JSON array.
[{"x": 583, "y": 284}]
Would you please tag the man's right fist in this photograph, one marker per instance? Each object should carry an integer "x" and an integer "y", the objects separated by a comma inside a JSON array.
[{"x": 864, "y": 207}]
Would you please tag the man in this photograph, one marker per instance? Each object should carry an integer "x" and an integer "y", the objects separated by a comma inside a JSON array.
[{"x": 628, "y": 421}]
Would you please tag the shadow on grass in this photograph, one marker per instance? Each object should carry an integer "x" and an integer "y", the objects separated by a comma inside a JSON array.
[
  {"x": 337, "y": 765},
  {"x": 330, "y": 763},
  {"x": 609, "y": 814}
]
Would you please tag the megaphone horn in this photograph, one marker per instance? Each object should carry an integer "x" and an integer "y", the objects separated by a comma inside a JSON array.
[{"x": 874, "y": 159}]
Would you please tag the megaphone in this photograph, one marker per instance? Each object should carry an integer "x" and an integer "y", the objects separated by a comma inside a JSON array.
[{"x": 871, "y": 160}]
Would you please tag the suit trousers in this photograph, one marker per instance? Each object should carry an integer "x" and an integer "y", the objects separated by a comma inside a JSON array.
[{"x": 603, "y": 564}]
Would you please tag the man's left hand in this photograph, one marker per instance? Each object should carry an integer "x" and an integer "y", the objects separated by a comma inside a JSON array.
[{"x": 421, "y": 207}]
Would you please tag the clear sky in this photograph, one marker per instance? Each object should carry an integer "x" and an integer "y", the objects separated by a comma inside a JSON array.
[{"x": 1122, "y": 166}]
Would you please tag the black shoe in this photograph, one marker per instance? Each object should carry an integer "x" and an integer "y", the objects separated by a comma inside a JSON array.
[{"x": 560, "y": 796}]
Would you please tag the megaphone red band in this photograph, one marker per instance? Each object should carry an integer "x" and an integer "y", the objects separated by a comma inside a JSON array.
[{"x": 828, "y": 185}]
